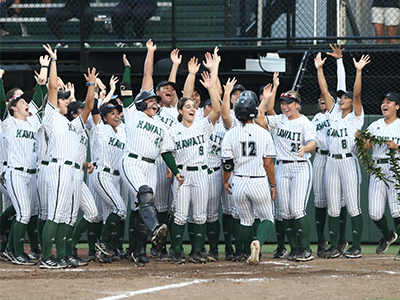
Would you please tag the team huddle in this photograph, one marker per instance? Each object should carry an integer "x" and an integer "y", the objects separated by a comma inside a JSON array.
[{"x": 177, "y": 163}]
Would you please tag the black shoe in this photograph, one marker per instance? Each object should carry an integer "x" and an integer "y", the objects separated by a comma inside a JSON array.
[
  {"x": 203, "y": 251},
  {"x": 304, "y": 255},
  {"x": 115, "y": 257},
  {"x": 213, "y": 255},
  {"x": 199, "y": 259},
  {"x": 292, "y": 255},
  {"x": 332, "y": 252},
  {"x": 238, "y": 256},
  {"x": 191, "y": 256},
  {"x": 159, "y": 236},
  {"x": 229, "y": 253},
  {"x": 342, "y": 246},
  {"x": 164, "y": 255},
  {"x": 397, "y": 256},
  {"x": 138, "y": 262},
  {"x": 144, "y": 258},
  {"x": 280, "y": 252},
  {"x": 121, "y": 253},
  {"x": 104, "y": 248},
  {"x": 70, "y": 263},
  {"x": 154, "y": 251},
  {"x": 23, "y": 259},
  {"x": 91, "y": 256},
  {"x": 77, "y": 261},
  {"x": 50, "y": 263},
  {"x": 10, "y": 254},
  {"x": 353, "y": 252},
  {"x": 322, "y": 248},
  {"x": 103, "y": 258},
  {"x": 178, "y": 259},
  {"x": 385, "y": 243}
]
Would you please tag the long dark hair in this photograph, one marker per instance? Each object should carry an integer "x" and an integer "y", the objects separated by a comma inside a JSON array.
[
  {"x": 11, "y": 93},
  {"x": 181, "y": 104}
]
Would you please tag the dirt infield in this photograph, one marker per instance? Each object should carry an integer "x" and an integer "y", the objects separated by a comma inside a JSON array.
[{"x": 372, "y": 277}]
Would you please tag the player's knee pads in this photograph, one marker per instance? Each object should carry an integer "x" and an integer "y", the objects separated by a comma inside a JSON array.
[
  {"x": 228, "y": 165},
  {"x": 146, "y": 196}
]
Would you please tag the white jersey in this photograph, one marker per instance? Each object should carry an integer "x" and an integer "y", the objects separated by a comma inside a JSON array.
[
  {"x": 247, "y": 146},
  {"x": 109, "y": 146},
  {"x": 341, "y": 134},
  {"x": 199, "y": 114},
  {"x": 290, "y": 134},
  {"x": 83, "y": 147},
  {"x": 3, "y": 147},
  {"x": 145, "y": 136},
  {"x": 214, "y": 145},
  {"x": 191, "y": 142},
  {"x": 63, "y": 134},
  {"x": 20, "y": 139},
  {"x": 380, "y": 129},
  {"x": 168, "y": 116}
]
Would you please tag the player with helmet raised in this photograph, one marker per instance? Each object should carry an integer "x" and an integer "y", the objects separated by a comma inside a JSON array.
[{"x": 247, "y": 151}]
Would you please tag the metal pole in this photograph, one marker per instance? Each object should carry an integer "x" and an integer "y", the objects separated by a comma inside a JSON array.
[
  {"x": 315, "y": 21},
  {"x": 173, "y": 14},
  {"x": 259, "y": 20},
  {"x": 288, "y": 31},
  {"x": 82, "y": 40}
]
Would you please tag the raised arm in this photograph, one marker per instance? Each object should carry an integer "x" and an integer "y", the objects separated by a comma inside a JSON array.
[
  {"x": 209, "y": 64},
  {"x": 147, "y": 82},
  {"x": 337, "y": 53},
  {"x": 226, "y": 103},
  {"x": 267, "y": 95},
  {"x": 89, "y": 101},
  {"x": 323, "y": 86},
  {"x": 193, "y": 68},
  {"x": 271, "y": 101},
  {"x": 126, "y": 88},
  {"x": 53, "y": 79},
  {"x": 214, "y": 72},
  {"x": 176, "y": 61},
  {"x": 3, "y": 103},
  {"x": 41, "y": 80},
  {"x": 357, "y": 105},
  {"x": 113, "y": 86},
  {"x": 216, "y": 105}
]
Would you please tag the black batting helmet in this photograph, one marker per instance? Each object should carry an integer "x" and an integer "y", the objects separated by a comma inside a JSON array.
[
  {"x": 248, "y": 93},
  {"x": 245, "y": 108},
  {"x": 143, "y": 96}
]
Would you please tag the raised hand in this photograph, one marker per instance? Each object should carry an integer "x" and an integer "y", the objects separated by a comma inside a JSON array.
[
  {"x": 206, "y": 82},
  {"x": 337, "y": 52},
  {"x": 40, "y": 80},
  {"x": 44, "y": 60},
  {"x": 228, "y": 87},
  {"x": 318, "y": 61},
  {"x": 209, "y": 63},
  {"x": 113, "y": 82},
  {"x": 2, "y": 73},
  {"x": 125, "y": 60},
  {"x": 51, "y": 52},
  {"x": 193, "y": 65},
  {"x": 216, "y": 57},
  {"x": 175, "y": 57},
  {"x": 70, "y": 87},
  {"x": 60, "y": 84},
  {"x": 364, "y": 60},
  {"x": 91, "y": 76},
  {"x": 100, "y": 84},
  {"x": 267, "y": 92},
  {"x": 275, "y": 79},
  {"x": 150, "y": 46}
]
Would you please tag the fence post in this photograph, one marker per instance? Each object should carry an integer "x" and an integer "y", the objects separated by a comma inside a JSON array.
[
  {"x": 83, "y": 55},
  {"x": 288, "y": 31},
  {"x": 173, "y": 24}
]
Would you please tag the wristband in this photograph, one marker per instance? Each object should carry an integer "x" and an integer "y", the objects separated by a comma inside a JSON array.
[
  {"x": 44, "y": 67},
  {"x": 53, "y": 59},
  {"x": 398, "y": 147},
  {"x": 341, "y": 56},
  {"x": 272, "y": 185},
  {"x": 90, "y": 83}
]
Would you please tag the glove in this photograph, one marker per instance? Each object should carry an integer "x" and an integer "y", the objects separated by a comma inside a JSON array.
[{"x": 125, "y": 90}]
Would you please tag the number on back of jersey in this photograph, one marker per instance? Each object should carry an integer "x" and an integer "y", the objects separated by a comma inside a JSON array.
[{"x": 249, "y": 148}]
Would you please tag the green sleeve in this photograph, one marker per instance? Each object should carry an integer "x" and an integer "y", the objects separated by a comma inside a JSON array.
[
  {"x": 3, "y": 104},
  {"x": 38, "y": 96},
  {"x": 127, "y": 78},
  {"x": 170, "y": 161}
]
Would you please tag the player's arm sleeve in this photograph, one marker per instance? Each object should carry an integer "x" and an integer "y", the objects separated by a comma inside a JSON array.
[
  {"x": 127, "y": 78},
  {"x": 79, "y": 125},
  {"x": 310, "y": 133},
  {"x": 272, "y": 121},
  {"x": 341, "y": 75},
  {"x": 167, "y": 142},
  {"x": 269, "y": 151},
  {"x": 227, "y": 153},
  {"x": 3, "y": 104},
  {"x": 170, "y": 161},
  {"x": 359, "y": 120},
  {"x": 38, "y": 96}
]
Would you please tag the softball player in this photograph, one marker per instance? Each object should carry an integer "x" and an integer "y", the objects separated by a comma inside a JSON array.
[
  {"x": 342, "y": 168},
  {"x": 190, "y": 153},
  {"x": 295, "y": 138},
  {"x": 388, "y": 128},
  {"x": 61, "y": 132},
  {"x": 247, "y": 151}
]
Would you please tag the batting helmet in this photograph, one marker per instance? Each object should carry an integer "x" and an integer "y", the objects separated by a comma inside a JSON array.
[
  {"x": 249, "y": 93},
  {"x": 143, "y": 96},
  {"x": 245, "y": 108}
]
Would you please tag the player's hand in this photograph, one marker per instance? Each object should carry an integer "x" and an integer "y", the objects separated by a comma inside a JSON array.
[
  {"x": 150, "y": 46},
  {"x": 336, "y": 51},
  {"x": 51, "y": 52},
  {"x": 364, "y": 60},
  {"x": 70, "y": 87},
  {"x": 44, "y": 60},
  {"x": 113, "y": 82},
  {"x": 273, "y": 193},
  {"x": 40, "y": 80},
  {"x": 168, "y": 173},
  {"x": 125, "y": 61},
  {"x": 175, "y": 57},
  {"x": 391, "y": 145},
  {"x": 318, "y": 61},
  {"x": 91, "y": 76},
  {"x": 228, "y": 187},
  {"x": 216, "y": 57},
  {"x": 89, "y": 167},
  {"x": 180, "y": 178},
  {"x": 2, "y": 73},
  {"x": 301, "y": 151},
  {"x": 193, "y": 66},
  {"x": 275, "y": 79},
  {"x": 206, "y": 82},
  {"x": 267, "y": 92},
  {"x": 228, "y": 87},
  {"x": 357, "y": 134},
  {"x": 60, "y": 84},
  {"x": 209, "y": 63}
]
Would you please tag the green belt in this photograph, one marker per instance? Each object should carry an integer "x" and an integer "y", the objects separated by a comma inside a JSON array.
[
  {"x": 381, "y": 161},
  {"x": 203, "y": 167},
  {"x": 68, "y": 163},
  {"x": 250, "y": 176},
  {"x": 29, "y": 171},
  {"x": 340, "y": 156},
  {"x": 323, "y": 152},
  {"x": 212, "y": 170},
  {"x": 146, "y": 159},
  {"x": 114, "y": 172},
  {"x": 4, "y": 163}
]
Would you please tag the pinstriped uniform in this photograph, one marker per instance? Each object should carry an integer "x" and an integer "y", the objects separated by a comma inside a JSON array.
[
  {"x": 6, "y": 201},
  {"x": 43, "y": 159},
  {"x": 343, "y": 175},
  {"x": 20, "y": 136},
  {"x": 191, "y": 151},
  {"x": 164, "y": 195},
  {"x": 378, "y": 192},
  {"x": 108, "y": 155},
  {"x": 247, "y": 146},
  {"x": 146, "y": 139},
  {"x": 63, "y": 144},
  {"x": 293, "y": 173}
]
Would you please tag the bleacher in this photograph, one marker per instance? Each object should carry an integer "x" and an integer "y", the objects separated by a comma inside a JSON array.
[{"x": 194, "y": 19}]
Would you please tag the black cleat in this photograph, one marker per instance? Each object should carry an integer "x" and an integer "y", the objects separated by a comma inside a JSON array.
[
  {"x": 159, "y": 236},
  {"x": 332, "y": 252},
  {"x": 23, "y": 259},
  {"x": 50, "y": 263},
  {"x": 280, "y": 252},
  {"x": 104, "y": 248}
]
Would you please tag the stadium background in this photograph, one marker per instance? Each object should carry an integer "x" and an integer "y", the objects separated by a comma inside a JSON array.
[{"x": 245, "y": 30}]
